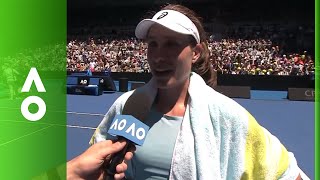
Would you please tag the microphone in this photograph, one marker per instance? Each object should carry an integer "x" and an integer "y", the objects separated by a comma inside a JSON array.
[{"x": 132, "y": 130}]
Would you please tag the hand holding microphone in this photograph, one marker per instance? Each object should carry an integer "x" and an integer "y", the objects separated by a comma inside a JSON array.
[
  {"x": 127, "y": 128},
  {"x": 89, "y": 165},
  {"x": 130, "y": 126}
]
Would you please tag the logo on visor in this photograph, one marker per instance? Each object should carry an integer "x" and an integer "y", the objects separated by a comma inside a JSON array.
[{"x": 163, "y": 14}]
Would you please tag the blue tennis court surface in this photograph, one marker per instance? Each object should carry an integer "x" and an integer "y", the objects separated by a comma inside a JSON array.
[{"x": 291, "y": 121}]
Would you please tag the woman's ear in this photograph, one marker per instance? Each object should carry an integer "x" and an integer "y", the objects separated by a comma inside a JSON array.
[{"x": 197, "y": 50}]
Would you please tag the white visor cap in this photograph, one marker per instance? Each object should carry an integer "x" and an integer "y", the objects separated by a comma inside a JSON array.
[{"x": 170, "y": 19}]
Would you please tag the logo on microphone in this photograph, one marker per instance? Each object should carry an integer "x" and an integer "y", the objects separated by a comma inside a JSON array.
[{"x": 130, "y": 128}]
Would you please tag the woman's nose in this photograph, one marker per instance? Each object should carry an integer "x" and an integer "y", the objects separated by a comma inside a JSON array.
[{"x": 159, "y": 55}]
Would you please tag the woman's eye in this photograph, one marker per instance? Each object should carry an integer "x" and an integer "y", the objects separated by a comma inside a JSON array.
[{"x": 171, "y": 43}]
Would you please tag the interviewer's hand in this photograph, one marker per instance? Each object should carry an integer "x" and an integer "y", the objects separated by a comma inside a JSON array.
[{"x": 89, "y": 165}]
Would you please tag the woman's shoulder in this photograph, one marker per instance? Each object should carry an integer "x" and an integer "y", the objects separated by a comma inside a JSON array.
[{"x": 121, "y": 100}]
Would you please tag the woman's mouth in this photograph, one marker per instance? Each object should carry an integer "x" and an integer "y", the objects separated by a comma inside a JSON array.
[{"x": 162, "y": 72}]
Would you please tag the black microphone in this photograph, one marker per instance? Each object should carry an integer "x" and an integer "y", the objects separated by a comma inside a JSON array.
[
  {"x": 115, "y": 159},
  {"x": 130, "y": 129}
]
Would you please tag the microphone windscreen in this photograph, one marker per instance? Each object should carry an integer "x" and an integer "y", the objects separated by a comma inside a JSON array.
[{"x": 130, "y": 128}]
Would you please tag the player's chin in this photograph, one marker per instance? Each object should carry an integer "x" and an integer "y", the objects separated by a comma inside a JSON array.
[{"x": 171, "y": 82}]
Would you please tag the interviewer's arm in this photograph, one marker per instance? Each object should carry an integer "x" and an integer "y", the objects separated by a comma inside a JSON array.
[{"x": 89, "y": 164}]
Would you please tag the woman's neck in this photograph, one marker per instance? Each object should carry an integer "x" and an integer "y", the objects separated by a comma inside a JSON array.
[{"x": 173, "y": 101}]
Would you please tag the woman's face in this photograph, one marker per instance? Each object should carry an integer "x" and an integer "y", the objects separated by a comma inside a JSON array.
[{"x": 169, "y": 55}]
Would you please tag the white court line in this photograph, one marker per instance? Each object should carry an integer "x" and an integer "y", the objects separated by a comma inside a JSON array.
[
  {"x": 31, "y": 122},
  {"x": 79, "y": 113},
  {"x": 81, "y": 127},
  {"x": 11, "y": 108},
  {"x": 68, "y": 112},
  {"x": 71, "y": 126},
  {"x": 24, "y": 136}
]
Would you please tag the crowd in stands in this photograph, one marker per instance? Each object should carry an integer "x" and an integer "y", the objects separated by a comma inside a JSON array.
[
  {"x": 126, "y": 55},
  {"x": 24, "y": 59},
  {"x": 257, "y": 57},
  {"x": 246, "y": 39},
  {"x": 228, "y": 56}
]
